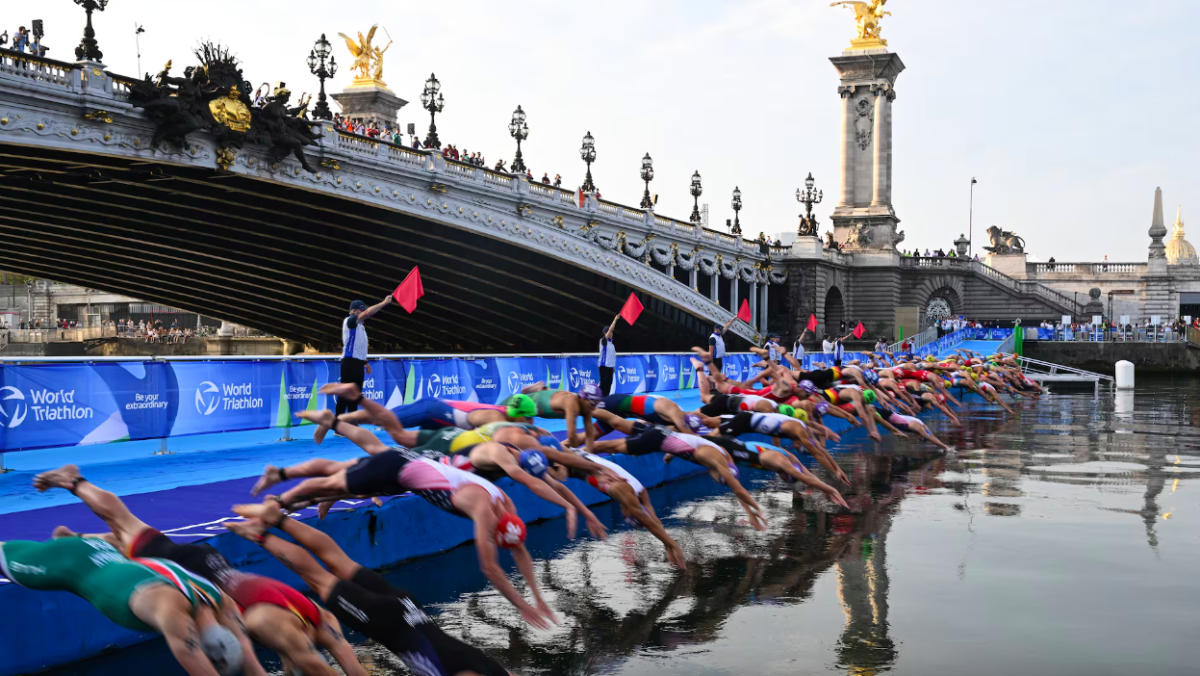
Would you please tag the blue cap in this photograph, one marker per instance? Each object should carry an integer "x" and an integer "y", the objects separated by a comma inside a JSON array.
[
  {"x": 358, "y": 305},
  {"x": 535, "y": 463}
]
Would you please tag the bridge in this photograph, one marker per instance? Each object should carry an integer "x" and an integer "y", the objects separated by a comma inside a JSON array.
[{"x": 87, "y": 197}]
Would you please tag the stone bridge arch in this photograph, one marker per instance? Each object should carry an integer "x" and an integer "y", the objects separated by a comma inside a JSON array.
[{"x": 946, "y": 288}]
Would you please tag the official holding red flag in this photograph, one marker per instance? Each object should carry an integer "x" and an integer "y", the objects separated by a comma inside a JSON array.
[{"x": 354, "y": 349}]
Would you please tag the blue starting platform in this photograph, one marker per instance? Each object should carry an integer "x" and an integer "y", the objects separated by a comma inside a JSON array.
[{"x": 188, "y": 495}]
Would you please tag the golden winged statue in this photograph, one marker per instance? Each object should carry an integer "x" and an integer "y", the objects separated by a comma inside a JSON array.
[
  {"x": 365, "y": 56},
  {"x": 867, "y": 16}
]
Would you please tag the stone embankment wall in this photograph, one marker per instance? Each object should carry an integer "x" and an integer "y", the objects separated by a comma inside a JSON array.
[{"x": 1100, "y": 357}]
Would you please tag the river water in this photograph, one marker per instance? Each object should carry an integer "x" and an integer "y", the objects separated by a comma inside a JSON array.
[{"x": 1063, "y": 540}]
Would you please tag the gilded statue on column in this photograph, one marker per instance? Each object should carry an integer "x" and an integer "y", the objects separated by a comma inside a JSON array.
[
  {"x": 867, "y": 15},
  {"x": 368, "y": 58}
]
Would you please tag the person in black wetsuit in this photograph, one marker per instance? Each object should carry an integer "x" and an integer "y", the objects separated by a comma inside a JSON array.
[{"x": 362, "y": 599}]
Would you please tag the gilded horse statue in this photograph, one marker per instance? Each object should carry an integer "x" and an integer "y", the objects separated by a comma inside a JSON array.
[{"x": 867, "y": 14}]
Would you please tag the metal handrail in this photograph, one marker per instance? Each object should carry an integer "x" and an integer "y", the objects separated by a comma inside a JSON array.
[
  {"x": 1009, "y": 344},
  {"x": 919, "y": 341},
  {"x": 1037, "y": 366}
]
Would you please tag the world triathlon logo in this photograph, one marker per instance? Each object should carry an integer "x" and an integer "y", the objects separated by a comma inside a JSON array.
[
  {"x": 226, "y": 397},
  {"x": 574, "y": 375},
  {"x": 433, "y": 386},
  {"x": 621, "y": 374},
  {"x": 514, "y": 382},
  {"x": 208, "y": 398},
  {"x": 13, "y": 408}
]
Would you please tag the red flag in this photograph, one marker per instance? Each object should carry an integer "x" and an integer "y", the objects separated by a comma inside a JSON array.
[
  {"x": 409, "y": 291},
  {"x": 633, "y": 308},
  {"x": 812, "y": 323},
  {"x": 580, "y": 196},
  {"x": 744, "y": 312},
  {"x": 859, "y": 330}
]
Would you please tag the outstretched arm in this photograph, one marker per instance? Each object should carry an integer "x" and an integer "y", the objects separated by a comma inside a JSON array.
[{"x": 366, "y": 314}]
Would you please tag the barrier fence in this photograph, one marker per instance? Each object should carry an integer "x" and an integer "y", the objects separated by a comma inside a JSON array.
[{"x": 1085, "y": 333}]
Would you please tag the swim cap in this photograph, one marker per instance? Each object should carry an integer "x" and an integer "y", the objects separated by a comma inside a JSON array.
[
  {"x": 789, "y": 411},
  {"x": 931, "y": 358},
  {"x": 822, "y": 408},
  {"x": 521, "y": 406},
  {"x": 694, "y": 424},
  {"x": 591, "y": 392},
  {"x": 222, "y": 650},
  {"x": 871, "y": 377},
  {"x": 510, "y": 531},
  {"x": 941, "y": 398},
  {"x": 535, "y": 463},
  {"x": 807, "y": 387},
  {"x": 801, "y": 415},
  {"x": 869, "y": 396},
  {"x": 550, "y": 442},
  {"x": 788, "y": 478}
]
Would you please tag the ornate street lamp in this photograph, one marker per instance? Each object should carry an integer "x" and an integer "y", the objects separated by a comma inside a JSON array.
[
  {"x": 808, "y": 197},
  {"x": 647, "y": 176},
  {"x": 587, "y": 152},
  {"x": 316, "y": 65},
  {"x": 432, "y": 101},
  {"x": 520, "y": 131},
  {"x": 696, "y": 191},
  {"x": 737, "y": 206},
  {"x": 87, "y": 49}
]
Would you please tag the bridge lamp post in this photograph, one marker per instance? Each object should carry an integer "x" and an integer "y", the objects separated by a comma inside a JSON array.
[
  {"x": 432, "y": 101},
  {"x": 316, "y": 65},
  {"x": 647, "y": 176},
  {"x": 808, "y": 197},
  {"x": 88, "y": 50},
  {"x": 520, "y": 131},
  {"x": 696, "y": 191},
  {"x": 737, "y": 206},
  {"x": 587, "y": 152}
]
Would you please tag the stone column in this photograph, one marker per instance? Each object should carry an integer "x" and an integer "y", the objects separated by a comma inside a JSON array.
[
  {"x": 763, "y": 325},
  {"x": 670, "y": 268},
  {"x": 754, "y": 303},
  {"x": 887, "y": 134},
  {"x": 847, "y": 165},
  {"x": 878, "y": 171},
  {"x": 733, "y": 292},
  {"x": 712, "y": 287},
  {"x": 692, "y": 274}
]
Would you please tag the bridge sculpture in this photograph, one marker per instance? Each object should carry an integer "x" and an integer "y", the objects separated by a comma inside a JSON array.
[{"x": 88, "y": 197}]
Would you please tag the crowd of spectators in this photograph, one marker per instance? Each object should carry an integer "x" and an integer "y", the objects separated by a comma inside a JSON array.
[
  {"x": 25, "y": 40},
  {"x": 936, "y": 253},
  {"x": 393, "y": 135},
  {"x": 153, "y": 332}
]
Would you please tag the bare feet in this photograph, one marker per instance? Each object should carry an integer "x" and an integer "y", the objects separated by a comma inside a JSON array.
[
  {"x": 270, "y": 476},
  {"x": 697, "y": 364},
  {"x": 269, "y": 511},
  {"x": 64, "y": 477},
  {"x": 322, "y": 419},
  {"x": 63, "y": 532},
  {"x": 252, "y": 529},
  {"x": 344, "y": 390}
]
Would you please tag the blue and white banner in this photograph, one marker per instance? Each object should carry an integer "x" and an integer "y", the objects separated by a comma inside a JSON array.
[{"x": 69, "y": 404}]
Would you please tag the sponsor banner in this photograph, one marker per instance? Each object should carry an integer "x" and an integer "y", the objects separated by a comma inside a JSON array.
[
  {"x": 57, "y": 405},
  {"x": 667, "y": 370},
  {"x": 485, "y": 380},
  {"x": 556, "y": 372},
  {"x": 220, "y": 396},
  {"x": 582, "y": 371},
  {"x": 146, "y": 395},
  {"x": 438, "y": 379},
  {"x": 518, "y": 372},
  {"x": 298, "y": 387},
  {"x": 629, "y": 376}
]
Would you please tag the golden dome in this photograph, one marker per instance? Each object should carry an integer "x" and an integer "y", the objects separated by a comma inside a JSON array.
[{"x": 1179, "y": 251}]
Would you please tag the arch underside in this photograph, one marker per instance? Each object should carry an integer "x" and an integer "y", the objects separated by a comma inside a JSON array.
[{"x": 289, "y": 261}]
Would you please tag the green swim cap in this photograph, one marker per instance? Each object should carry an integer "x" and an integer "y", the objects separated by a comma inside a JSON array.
[
  {"x": 869, "y": 397},
  {"x": 787, "y": 410},
  {"x": 521, "y": 406}
]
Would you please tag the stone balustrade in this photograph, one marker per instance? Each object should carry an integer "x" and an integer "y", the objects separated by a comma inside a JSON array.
[{"x": 1084, "y": 270}]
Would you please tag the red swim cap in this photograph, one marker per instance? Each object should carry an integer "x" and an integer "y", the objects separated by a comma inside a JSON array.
[
  {"x": 941, "y": 398},
  {"x": 510, "y": 531}
]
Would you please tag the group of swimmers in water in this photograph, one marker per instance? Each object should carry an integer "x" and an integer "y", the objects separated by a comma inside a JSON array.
[{"x": 451, "y": 454}]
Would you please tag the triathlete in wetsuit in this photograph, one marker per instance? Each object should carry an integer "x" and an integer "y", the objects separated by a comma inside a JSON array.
[
  {"x": 758, "y": 455},
  {"x": 274, "y": 614},
  {"x": 652, "y": 408},
  {"x": 563, "y": 405},
  {"x": 777, "y": 425},
  {"x": 362, "y": 599},
  {"x": 644, "y": 438},
  {"x": 134, "y": 596}
]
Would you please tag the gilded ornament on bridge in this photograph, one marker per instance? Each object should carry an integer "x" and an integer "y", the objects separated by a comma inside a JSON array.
[
  {"x": 229, "y": 111},
  {"x": 867, "y": 16},
  {"x": 368, "y": 59}
]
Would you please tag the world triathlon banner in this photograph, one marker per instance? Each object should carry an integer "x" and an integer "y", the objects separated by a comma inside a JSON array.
[{"x": 51, "y": 405}]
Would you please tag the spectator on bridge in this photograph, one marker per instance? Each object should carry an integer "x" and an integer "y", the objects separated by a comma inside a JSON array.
[
  {"x": 976, "y": 259},
  {"x": 557, "y": 181},
  {"x": 608, "y": 357},
  {"x": 354, "y": 349},
  {"x": 416, "y": 144},
  {"x": 546, "y": 178},
  {"x": 500, "y": 167},
  {"x": 927, "y": 255},
  {"x": 21, "y": 39}
]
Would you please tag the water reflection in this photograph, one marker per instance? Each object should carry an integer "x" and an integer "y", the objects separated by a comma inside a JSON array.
[{"x": 1041, "y": 505}]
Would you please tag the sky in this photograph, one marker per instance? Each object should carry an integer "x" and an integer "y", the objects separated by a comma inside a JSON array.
[{"x": 1068, "y": 113}]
